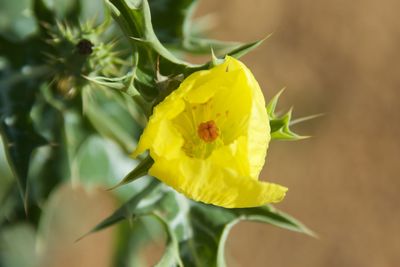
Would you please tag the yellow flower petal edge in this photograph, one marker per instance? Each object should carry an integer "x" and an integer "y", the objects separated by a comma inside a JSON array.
[{"x": 209, "y": 138}]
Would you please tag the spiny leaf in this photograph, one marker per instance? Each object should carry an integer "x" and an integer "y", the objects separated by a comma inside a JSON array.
[
  {"x": 202, "y": 229},
  {"x": 205, "y": 218},
  {"x": 246, "y": 48},
  {"x": 128, "y": 210},
  {"x": 196, "y": 45},
  {"x": 264, "y": 214},
  {"x": 180, "y": 32},
  {"x": 306, "y": 118},
  {"x": 118, "y": 83},
  {"x": 139, "y": 171},
  {"x": 280, "y": 129},
  {"x": 273, "y": 103},
  {"x": 125, "y": 84},
  {"x": 280, "y": 125},
  {"x": 109, "y": 116},
  {"x": 135, "y": 20},
  {"x": 237, "y": 53},
  {"x": 20, "y": 140},
  {"x": 271, "y": 215},
  {"x": 17, "y": 96}
]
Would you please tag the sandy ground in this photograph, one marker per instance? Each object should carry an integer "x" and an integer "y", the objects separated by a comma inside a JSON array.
[{"x": 340, "y": 58}]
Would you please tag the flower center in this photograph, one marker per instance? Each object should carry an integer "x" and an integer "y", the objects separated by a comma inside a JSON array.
[{"x": 208, "y": 131}]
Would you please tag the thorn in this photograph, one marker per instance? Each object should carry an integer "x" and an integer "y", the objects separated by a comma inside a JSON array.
[
  {"x": 278, "y": 95},
  {"x": 302, "y": 137},
  {"x": 214, "y": 59},
  {"x": 267, "y": 37},
  {"x": 82, "y": 237},
  {"x": 140, "y": 40},
  {"x": 307, "y": 118},
  {"x": 289, "y": 112},
  {"x": 115, "y": 186},
  {"x": 274, "y": 102}
]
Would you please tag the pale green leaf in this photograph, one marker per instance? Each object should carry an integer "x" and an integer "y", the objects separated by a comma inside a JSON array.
[{"x": 171, "y": 255}]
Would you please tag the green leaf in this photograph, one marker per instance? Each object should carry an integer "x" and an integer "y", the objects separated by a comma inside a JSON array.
[
  {"x": 18, "y": 94},
  {"x": 16, "y": 22},
  {"x": 151, "y": 57},
  {"x": 139, "y": 171},
  {"x": 49, "y": 165},
  {"x": 200, "y": 230},
  {"x": 203, "y": 229},
  {"x": 239, "y": 51},
  {"x": 109, "y": 115},
  {"x": 171, "y": 255},
  {"x": 130, "y": 209},
  {"x": 211, "y": 226},
  {"x": 280, "y": 125},
  {"x": 177, "y": 13},
  {"x": 196, "y": 45},
  {"x": 246, "y": 48},
  {"x": 18, "y": 246},
  {"x": 180, "y": 32},
  {"x": 126, "y": 84},
  {"x": 280, "y": 129},
  {"x": 118, "y": 83},
  {"x": 269, "y": 214},
  {"x": 8, "y": 192},
  {"x": 20, "y": 139},
  {"x": 135, "y": 20}
]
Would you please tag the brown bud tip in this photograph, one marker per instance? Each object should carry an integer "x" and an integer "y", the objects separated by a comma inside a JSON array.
[{"x": 85, "y": 47}]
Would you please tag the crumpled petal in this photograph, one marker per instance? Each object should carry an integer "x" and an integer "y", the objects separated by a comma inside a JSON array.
[{"x": 201, "y": 180}]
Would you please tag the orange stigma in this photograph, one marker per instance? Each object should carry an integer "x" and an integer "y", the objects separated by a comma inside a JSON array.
[{"x": 208, "y": 131}]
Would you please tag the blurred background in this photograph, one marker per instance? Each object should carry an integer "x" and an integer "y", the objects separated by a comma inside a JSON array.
[
  {"x": 334, "y": 57},
  {"x": 340, "y": 58}
]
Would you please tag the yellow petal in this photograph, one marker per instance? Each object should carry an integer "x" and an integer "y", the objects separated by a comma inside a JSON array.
[
  {"x": 202, "y": 181},
  {"x": 159, "y": 129},
  {"x": 259, "y": 128},
  {"x": 223, "y": 171}
]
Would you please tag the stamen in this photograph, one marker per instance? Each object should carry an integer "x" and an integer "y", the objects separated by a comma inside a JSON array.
[{"x": 208, "y": 131}]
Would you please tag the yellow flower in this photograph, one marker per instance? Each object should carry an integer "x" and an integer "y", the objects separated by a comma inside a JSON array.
[{"x": 209, "y": 138}]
